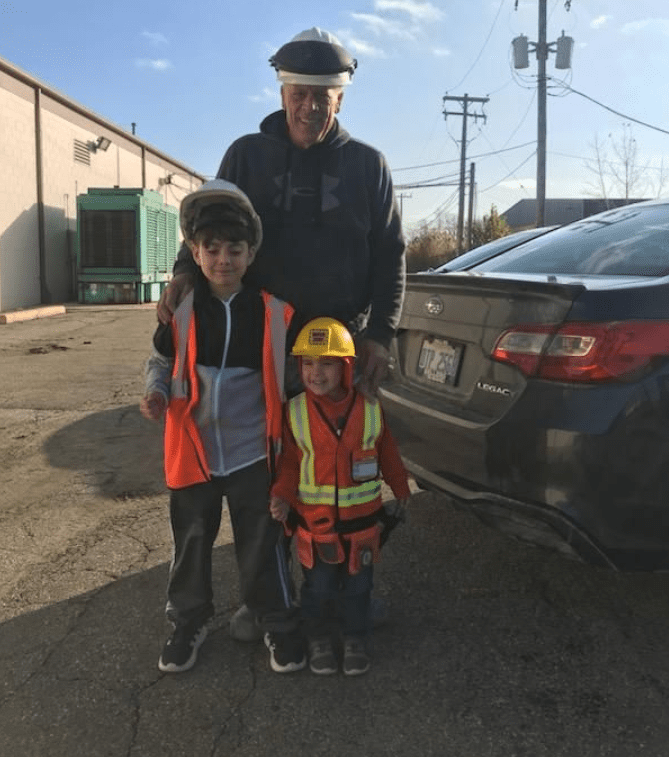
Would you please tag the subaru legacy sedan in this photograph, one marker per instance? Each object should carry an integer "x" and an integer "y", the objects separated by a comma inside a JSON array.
[{"x": 533, "y": 387}]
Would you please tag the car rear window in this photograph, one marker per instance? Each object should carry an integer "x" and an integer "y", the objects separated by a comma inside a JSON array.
[
  {"x": 628, "y": 241},
  {"x": 489, "y": 249}
]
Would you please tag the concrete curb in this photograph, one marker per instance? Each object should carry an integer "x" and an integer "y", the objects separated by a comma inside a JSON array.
[{"x": 32, "y": 313}]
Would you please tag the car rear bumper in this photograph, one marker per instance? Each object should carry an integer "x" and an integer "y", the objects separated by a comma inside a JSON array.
[
  {"x": 537, "y": 524},
  {"x": 574, "y": 492}
]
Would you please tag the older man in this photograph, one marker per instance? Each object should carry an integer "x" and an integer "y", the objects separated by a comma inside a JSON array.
[{"x": 333, "y": 243}]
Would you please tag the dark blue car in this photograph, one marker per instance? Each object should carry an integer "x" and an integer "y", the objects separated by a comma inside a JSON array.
[{"x": 533, "y": 387}]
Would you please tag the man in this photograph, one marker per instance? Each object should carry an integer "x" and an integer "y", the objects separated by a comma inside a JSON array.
[{"x": 333, "y": 243}]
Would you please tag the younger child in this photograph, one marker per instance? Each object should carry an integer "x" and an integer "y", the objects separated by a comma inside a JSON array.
[
  {"x": 336, "y": 446},
  {"x": 217, "y": 373}
]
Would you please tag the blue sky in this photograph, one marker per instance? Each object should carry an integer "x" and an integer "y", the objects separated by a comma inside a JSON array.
[{"x": 194, "y": 75}]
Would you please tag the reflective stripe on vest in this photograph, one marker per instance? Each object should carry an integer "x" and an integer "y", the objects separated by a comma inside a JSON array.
[
  {"x": 277, "y": 319},
  {"x": 309, "y": 491},
  {"x": 181, "y": 323}
]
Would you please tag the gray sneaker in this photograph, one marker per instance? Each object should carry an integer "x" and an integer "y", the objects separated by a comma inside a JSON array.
[
  {"x": 322, "y": 660},
  {"x": 356, "y": 658},
  {"x": 244, "y": 626}
]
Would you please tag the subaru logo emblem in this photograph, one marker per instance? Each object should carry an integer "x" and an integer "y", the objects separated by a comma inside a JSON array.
[{"x": 434, "y": 306}]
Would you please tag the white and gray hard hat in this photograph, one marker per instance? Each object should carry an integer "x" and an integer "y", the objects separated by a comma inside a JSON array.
[
  {"x": 219, "y": 200},
  {"x": 314, "y": 57}
]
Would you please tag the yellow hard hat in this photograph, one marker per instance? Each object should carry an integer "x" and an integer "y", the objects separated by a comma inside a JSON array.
[{"x": 324, "y": 337}]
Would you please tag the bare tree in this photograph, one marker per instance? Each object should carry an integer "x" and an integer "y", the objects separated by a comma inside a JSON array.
[
  {"x": 597, "y": 166},
  {"x": 658, "y": 186},
  {"x": 625, "y": 169},
  {"x": 620, "y": 174}
]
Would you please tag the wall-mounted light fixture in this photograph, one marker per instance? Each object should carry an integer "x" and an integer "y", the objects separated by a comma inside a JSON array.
[{"x": 101, "y": 143}]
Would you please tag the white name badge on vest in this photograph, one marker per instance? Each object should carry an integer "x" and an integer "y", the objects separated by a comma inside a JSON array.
[{"x": 364, "y": 466}]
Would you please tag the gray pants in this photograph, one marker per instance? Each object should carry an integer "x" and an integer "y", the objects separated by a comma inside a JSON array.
[{"x": 260, "y": 549}]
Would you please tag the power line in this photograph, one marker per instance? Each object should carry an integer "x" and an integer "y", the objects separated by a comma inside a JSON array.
[
  {"x": 606, "y": 107},
  {"x": 481, "y": 155},
  {"x": 522, "y": 120},
  {"x": 438, "y": 212},
  {"x": 487, "y": 39},
  {"x": 503, "y": 162},
  {"x": 586, "y": 159},
  {"x": 497, "y": 183}
]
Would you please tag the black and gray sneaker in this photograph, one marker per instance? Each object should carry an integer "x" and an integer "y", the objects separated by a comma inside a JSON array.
[
  {"x": 356, "y": 658},
  {"x": 286, "y": 651},
  {"x": 322, "y": 660},
  {"x": 180, "y": 650}
]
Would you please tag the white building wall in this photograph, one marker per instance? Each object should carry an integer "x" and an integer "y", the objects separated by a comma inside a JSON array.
[
  {"x": 19, "y": 244},
  {"x": 26, "y": 277}
]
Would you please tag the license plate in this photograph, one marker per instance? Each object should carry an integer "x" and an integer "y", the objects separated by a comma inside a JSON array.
[{"x": 439, "y": 361}]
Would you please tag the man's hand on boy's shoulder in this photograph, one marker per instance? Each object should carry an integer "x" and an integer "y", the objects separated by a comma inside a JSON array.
[{"x": 172, "y": 295}]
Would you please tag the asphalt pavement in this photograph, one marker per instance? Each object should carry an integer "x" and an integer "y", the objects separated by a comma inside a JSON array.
[{"x": 493, "y": 648}]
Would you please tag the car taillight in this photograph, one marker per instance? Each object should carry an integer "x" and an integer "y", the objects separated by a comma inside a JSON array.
[{"x": 583, "y": 351}]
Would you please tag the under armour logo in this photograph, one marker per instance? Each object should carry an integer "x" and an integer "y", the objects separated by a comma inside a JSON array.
[{"x": 329, "y": 200}]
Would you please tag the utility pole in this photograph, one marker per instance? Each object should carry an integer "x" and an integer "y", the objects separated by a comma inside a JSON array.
[
  {"x": 562, "y": 47},
  {"x": 542, "y": 55},
  {"x": 470, "y": 220},
  {"x": 464, "y": 102},
  {"x": 401, "y": 197}
]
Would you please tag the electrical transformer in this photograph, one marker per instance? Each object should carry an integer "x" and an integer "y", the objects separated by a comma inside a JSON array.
[{"x": 127, "y": 242}]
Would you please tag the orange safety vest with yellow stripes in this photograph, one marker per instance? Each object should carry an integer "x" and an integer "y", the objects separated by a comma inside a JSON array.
[
  {"x": 185, "y": 458},
  {"x": 339, "y": 480}
]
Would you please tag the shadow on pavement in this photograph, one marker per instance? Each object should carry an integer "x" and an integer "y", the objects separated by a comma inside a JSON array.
[
  {"x": 118, "y": 452},
  {"x": 493, "y": 649},
  {"x": 79, "y": 677}
]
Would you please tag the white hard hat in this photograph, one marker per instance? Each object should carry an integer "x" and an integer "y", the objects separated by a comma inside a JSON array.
[
  {"x": 315, "y": 57},
  {"x": 219, "y": 192}
]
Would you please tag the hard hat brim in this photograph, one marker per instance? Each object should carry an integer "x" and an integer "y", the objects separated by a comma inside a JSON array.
[{"x": 205, "y": 195}]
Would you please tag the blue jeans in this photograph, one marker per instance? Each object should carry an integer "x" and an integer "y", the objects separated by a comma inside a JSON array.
[{"x": 328, "y": 588}]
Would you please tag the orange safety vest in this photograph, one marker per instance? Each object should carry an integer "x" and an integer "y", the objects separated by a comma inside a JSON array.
[
  {"x": 339, "y": 481},
  {"x": 185, "y": 458}
]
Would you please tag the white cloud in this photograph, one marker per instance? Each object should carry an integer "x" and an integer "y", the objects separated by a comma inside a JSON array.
[
  {"x": 599, "y": 22},
  {"x": 359, "y": 46},
  {"x": 267, "y": 95},
  {"x": 441, "y": 52},
  {"x": 519, "y": 184},
  {"x": 419, "y": 11},
  {"x": 379, "y": 26},
  {"x": 156, "y": 38},
  {"x": 655, "y": 24},
  {"x": 156, "y": 65}
]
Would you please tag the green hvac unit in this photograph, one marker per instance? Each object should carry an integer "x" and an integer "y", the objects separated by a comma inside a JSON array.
[{"x": 127, "y": 241}]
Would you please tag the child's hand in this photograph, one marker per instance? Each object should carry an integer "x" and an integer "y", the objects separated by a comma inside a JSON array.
[
  {"x": 397, "y": 508},
  {"x": 279, "y": 508},
  {"x": 153, "y": 406}
]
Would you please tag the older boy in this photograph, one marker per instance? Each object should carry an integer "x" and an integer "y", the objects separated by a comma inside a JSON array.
[{"x": 217, "y": 373}]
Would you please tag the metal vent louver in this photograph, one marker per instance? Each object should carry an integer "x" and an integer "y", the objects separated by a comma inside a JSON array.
[{"x": 82, "y": 154}]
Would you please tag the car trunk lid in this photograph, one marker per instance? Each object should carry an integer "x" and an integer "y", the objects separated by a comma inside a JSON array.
[{"x": 448, "y": 329}]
